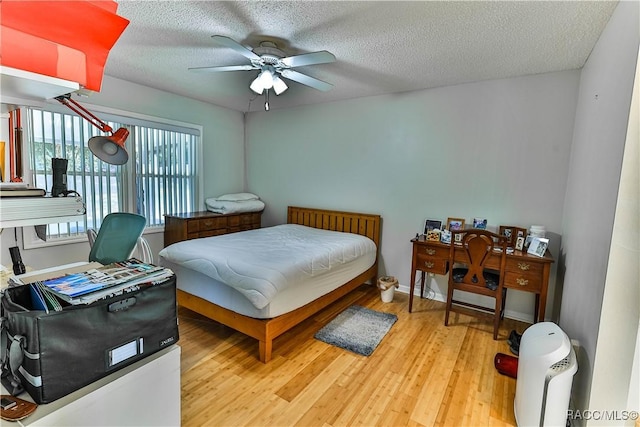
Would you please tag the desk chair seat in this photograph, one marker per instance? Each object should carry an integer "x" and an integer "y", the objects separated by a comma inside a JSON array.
[
  {"x": 476, "y": 277},
  {"x": 492, "y": 279},
  {"x": 117, "y": 237}
]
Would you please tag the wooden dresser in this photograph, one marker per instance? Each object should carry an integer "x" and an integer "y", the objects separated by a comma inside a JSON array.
[{"x": 193, "y": 225}]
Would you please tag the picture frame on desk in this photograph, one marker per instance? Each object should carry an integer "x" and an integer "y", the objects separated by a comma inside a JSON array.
[
  {"x": 433, "y": 235},
  {"x": 519, "y": 243},
  {"x": 455, "y": 224},
  {"x": 480, "y": 223},
  {"x": 512, "y": 233},
  {"x": 432, "y": 224},
  {"x": 538, "y": 246}
]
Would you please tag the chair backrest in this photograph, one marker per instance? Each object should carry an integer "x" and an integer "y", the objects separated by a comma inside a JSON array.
[
  {"x": 477, "y": 245},
  {"x": 117, "y": 237}
]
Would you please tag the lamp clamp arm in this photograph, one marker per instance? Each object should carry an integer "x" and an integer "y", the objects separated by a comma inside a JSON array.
[{"x": 67, "y": 101}]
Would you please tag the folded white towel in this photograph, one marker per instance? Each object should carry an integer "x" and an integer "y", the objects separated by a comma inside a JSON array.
[
  {"x": 228, "y": 207},
  {"x": 237, "y": 197}
]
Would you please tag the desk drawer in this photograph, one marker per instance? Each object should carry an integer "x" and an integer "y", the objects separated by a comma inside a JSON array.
[
  {"x": 523, "y": 266},
  {"x": 431, "y": 264},
  {"x": 524, "y": 281},
  {"x": 433, "y": 251}
]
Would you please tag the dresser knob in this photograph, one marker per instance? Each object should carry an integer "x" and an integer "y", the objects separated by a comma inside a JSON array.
[
  {"x": 522, "y": 282},
  {"x": 430, "y": 251},
  {"x": 429, "y": 264},
  {"x": 524, "y": 266}
]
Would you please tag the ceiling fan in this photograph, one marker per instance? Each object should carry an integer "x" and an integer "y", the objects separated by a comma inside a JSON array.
[{"x": 272, "y": 64}]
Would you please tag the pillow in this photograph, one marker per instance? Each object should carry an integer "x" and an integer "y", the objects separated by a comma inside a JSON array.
[{"x": 237, "y": 197}]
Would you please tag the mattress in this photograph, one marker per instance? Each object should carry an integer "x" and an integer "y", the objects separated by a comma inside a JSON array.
[{"x": 270, "y": 271}]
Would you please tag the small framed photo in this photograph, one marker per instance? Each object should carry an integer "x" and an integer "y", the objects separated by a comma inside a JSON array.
[
  {"x": 480, "y": 223},
  {"x": 445, "y": 236},
  {"x": 433, "y": 235},
  {"x": 455, "y": 224},
  {"x": 519, "y": 243},
  {"x": 512, "y": 233},
  {"x": 458, "y": 238},
  {"x": 432, "y": 224},
  {"x": 538, "y": 246}
]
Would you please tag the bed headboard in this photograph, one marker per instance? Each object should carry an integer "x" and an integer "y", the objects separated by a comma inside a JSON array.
[{"x": 349, "y": 222}]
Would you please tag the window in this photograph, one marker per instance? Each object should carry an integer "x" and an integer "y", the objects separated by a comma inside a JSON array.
[{"x": 160, "y": 177}]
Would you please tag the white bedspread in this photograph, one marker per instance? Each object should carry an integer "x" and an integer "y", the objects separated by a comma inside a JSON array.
[{"x": 260, "y": 263}]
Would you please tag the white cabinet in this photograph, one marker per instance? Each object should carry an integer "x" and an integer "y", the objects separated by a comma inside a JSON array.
[
  {"x": 31, "y": 86},
  {"x": 147, "y": 393},
  {"x": 23, "y": 211}
]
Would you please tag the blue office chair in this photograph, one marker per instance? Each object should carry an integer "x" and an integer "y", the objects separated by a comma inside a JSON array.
[{"x": 117, "y": 237}]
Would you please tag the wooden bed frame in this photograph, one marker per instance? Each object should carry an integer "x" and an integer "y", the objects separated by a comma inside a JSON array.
[{"x": 266, "y": 330}]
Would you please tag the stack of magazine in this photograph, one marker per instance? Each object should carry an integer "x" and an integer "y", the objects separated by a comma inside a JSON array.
[{"x": 95, "y": 284}]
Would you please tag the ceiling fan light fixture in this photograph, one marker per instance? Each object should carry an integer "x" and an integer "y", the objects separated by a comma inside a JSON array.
[
  {"x": 256, "y": 86},
  {"x": 279, "y": 85},
  {"x": 266, "y": 79}
]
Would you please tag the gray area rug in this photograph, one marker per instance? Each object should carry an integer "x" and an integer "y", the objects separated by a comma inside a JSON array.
[{"x": 357, "y": 329}]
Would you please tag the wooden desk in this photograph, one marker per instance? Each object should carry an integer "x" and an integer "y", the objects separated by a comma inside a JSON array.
[{"x": 524, "y": 272}]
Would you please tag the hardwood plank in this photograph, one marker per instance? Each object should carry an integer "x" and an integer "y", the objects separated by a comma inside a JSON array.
[{"x": 422, "y": 374}]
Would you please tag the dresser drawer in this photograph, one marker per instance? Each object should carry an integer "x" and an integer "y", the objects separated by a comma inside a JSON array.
[
  {"x": 431, "y": 264},
  {"x": 205, "y": 224},
  {"x": 252, "y": 219},
  {"x": 233, "y": 221},
  {"x": 208, "y": 233},
  {"x": 195, "y": 225}
]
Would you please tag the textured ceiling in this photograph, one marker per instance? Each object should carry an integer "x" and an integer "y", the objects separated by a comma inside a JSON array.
[{"x": 380, "y": 47}]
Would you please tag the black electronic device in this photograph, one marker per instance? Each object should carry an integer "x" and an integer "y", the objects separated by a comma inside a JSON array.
[
  {"x": 7, "y": 403},
  {"x": 59, "y": 167},
  {"x": 16, "y": 259}
]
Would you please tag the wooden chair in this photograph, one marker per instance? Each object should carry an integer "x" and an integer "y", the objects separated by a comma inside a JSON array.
[{"x": 475, "y": 277}]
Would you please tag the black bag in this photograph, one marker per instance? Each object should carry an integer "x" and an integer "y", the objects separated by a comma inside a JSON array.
[{"x": 53, "y": 354}]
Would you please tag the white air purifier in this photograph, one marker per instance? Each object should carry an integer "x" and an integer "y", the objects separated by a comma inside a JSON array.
[{"x": 546, "y": 365}]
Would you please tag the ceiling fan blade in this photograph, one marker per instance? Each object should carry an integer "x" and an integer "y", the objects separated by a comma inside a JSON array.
[
  {"x": 232, "y": 44},
  {"x": 226, "y": 68},
  {"x": 313, "y": 58},
  {"x": 307, "y": 80}
]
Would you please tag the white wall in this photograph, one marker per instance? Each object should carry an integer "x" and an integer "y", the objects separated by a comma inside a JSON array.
[
  {"x": 223, "y": 151},
  {"x": 497, "y": 149},
  {"x": 612, "y": 382},
  {"x": 596, "y": 158}
]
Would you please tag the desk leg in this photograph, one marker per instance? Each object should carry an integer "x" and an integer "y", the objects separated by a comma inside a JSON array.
[
  {"x": 536, "y": 310},
  {"x": 412, "y": 287},
  {"x": 541, "y": 298},
  {"x": 422, "y": 284}
]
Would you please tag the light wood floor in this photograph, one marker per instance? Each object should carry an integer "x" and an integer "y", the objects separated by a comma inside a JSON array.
[{"x": 422, "y": 374}]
